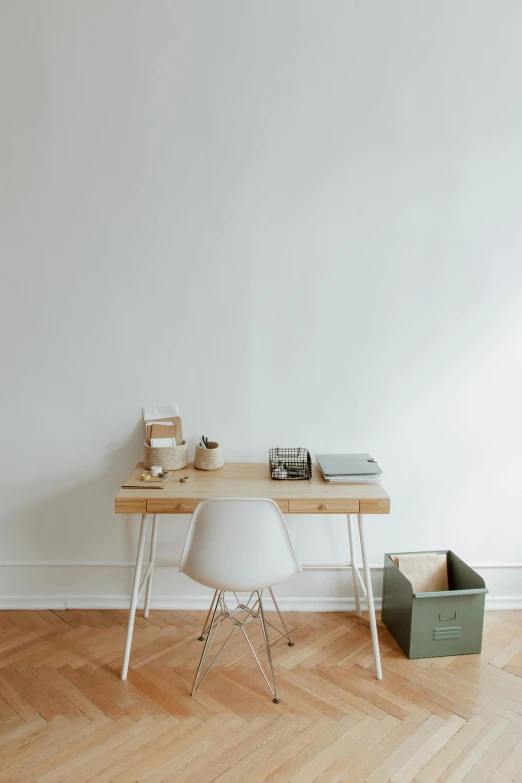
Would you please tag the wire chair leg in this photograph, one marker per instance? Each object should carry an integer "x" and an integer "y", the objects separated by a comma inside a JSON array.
[
  {"x": 255, "y": 616},
  {"x": 206, "y": 648},
  {"x": 257, "y": 660},
  {"x": 216, "y": 656},
  {"x": 287, "y": 632},
  {"x": 206, "y": 625},
  {"x": 276, "y": 698}
]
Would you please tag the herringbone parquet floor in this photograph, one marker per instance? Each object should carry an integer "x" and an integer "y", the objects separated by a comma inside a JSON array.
[{"x": 66, "y": 715}]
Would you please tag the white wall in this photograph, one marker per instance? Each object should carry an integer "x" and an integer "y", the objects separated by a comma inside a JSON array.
[{"x": 300, "y": 220}]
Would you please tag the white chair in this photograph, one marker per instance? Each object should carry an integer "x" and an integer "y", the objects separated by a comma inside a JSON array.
[{"x": 238, "y": 545}]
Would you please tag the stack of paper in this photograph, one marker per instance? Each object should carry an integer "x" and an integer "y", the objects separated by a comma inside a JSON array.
[
  {"x": 161, "y": 433},
  {"x": 162, "y": 425},
  {"x": 427, "y": 571},
  {"x": 349, "y": 468}
]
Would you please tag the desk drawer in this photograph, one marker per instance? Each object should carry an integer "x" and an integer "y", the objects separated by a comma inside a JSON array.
[
  {"x": 187, "y": 505},
  {"x": 324, "y": 506},
  {"x": 171, "y": 505},
  {"x": 130, "y": 506}
]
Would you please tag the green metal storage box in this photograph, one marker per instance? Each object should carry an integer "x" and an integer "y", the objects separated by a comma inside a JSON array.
[{"x": 428, "y": 625}]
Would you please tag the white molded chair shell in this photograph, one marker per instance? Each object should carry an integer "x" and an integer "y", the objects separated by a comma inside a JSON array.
[{"x": 238, "y": 544}]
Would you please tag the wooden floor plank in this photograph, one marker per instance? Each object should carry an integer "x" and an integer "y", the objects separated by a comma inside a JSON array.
[
  {"x": 192, "y": 747},
  {"x": 405, "y": 750},
  {"x": 296, "y": 761},
  {"x": 137, "y": 749},
  {"x": 335, "y": 752},
  {"x": 93, "y": 759},
  {"x": 149, "y": 762},
  {"x": 470, "y": 758},
  {"x": 438, "y": 740},
  {"x": 278, "y": 733},
  {"x": 384, "y": 748},
  {"x": 65, "y": 714},
  {"x": 229, "y": 751},
  {"x": 435, "y": 767},
  {"x": 510, "y": 766},
  {"x": 44, "y": 755},
  {"x": 356, "y": 751}
]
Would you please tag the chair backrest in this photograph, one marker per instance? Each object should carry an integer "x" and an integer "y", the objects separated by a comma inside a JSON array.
[{"x": 239, "y": 544}]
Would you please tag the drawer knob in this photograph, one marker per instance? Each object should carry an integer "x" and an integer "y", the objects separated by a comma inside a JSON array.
[
  {"x": 181, "y": 506},
  {"x": 323, "y": 507}
]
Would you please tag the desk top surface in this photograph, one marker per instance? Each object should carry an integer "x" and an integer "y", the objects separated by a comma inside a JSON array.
[{"x": 251, "y": 479}]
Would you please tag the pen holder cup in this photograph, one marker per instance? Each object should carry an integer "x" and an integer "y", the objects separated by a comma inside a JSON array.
[
  {"x": 209, "y": 459},
  {"x": 169, "y": 457}
]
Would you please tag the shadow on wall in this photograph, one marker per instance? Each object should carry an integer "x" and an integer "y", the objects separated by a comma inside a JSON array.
[{"x": 71, "y": 524}]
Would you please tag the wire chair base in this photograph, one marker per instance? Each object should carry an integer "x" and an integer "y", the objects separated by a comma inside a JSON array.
[{"x": 218, "y": 613}]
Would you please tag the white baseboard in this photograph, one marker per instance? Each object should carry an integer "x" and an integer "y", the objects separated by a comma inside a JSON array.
[
  {"x": 69, "y": 584},
  {"x": 504, "y": 603},
  {"x": 200, "y": 603},
  {"x": 32, "y": 602}
]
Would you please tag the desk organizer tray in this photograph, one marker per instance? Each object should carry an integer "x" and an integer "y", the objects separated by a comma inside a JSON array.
[
  {"x": 290, "y": 464},
  {"x": 433, "y": 624}
]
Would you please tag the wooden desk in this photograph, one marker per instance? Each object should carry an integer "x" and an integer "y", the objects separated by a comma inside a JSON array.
[{"x": 252, "y": 480}]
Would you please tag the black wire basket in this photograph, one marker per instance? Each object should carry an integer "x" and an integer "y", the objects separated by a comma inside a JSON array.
[{"x": 290, "y": 464}]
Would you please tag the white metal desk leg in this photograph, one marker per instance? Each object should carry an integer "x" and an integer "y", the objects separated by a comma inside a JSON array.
[
  {"x": 134, "y": 598},
  {"x": 369, "y": 597},
  {"x": 152, "y": 558},
  {"x": 352, "y": 561}
]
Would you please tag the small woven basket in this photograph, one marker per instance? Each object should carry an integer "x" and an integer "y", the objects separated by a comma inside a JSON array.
[
  {"x": 209, "y": 459},
  {"x": 169, "y": 457}
]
